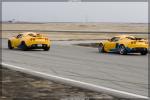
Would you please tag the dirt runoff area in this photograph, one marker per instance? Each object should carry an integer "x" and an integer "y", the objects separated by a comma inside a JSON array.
[
  {"x": 20, "y": 86},
  {"x": 102, "y": 27}
]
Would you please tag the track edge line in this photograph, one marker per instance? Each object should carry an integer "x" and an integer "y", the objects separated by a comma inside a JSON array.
[{"x": 80, "y": 84}]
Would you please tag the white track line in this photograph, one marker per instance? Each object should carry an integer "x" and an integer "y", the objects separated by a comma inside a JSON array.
[{"x": 89, "y": 86}]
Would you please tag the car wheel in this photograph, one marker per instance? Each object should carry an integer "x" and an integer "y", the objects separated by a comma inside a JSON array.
[
  {"x": 10, "y": 44},
  {"x": 24, "y": 46},
  {"x": 46, "y": 48},
  {"x": 122, "y": 50},
  {"x": 143, "y": 52},
  {"x": 101, "y": 48}
]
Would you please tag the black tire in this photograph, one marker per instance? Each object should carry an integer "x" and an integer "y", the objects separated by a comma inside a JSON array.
[
  {"x": 10, "y": 44},
  {"x": 122, "y": 50},
  {"x": 46, "y": 48},
  {"x": 101, "y": 48},
  {"x": 144, "y": 52},
  {"x": 24, "y": 46}
]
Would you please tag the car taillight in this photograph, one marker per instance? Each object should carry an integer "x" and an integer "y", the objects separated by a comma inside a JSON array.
[
  {"x": 46, "y": 39},
  {"x": 133, "y": 42},
  {"x": 146, "y": 42},
  {"x": 32, "y": 39}
]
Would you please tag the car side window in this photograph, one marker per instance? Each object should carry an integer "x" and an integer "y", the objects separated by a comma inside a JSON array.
[
  {"x": 19, "y": 36},
  {"x": 32, "y": 35},
  {"x": 115, "y": 39}
]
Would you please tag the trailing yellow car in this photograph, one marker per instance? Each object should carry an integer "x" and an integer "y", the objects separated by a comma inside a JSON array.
[
  {"x": 29, "y": 40},
  {"x": 124, "y": 44}
]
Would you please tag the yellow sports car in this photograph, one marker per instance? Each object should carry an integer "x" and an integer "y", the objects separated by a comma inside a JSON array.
[
  {"x": 124, "y": 44},
  {"x": 29, "y": 40}
]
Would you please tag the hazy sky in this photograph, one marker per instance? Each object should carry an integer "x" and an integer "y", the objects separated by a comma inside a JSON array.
[{"x": 76, "y": 11}]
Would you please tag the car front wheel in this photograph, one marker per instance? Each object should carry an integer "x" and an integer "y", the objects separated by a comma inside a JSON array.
[
  {"x": 24, "y": 46},
  {"x": 101, "y": 48},
  {"x": 10, "y": 44}
]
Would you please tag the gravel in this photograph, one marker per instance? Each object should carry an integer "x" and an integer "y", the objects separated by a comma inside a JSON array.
[{"x": 20, "y": 86}]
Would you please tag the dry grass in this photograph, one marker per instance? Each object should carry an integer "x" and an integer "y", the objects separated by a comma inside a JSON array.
[{"x": 21, "y": 86}]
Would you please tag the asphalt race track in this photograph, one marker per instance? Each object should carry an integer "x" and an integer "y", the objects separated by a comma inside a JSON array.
[{"x": 127, "y": 73}]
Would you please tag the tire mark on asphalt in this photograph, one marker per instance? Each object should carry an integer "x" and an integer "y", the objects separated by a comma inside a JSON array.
[
  {"x": 131, "y": 67},
  {"x": 87, "y": 76},
  {"x": 69, "y": 60},
  {"x": 45, "y": 58}
]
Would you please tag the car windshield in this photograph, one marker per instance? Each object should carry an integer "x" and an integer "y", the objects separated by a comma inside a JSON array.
[
  {"x": 39, "y": 35},
  {"x": 131, "y": 38},
  {"x": 33, "y": 35},
  {"x": 134, "y": 38}
]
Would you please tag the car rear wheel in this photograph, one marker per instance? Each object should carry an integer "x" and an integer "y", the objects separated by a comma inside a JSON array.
[
  {"x": 122, "y": 50},
  {"x": 24, "y": 46},
  {"x": 101, "y": 48},
  {"x": 143, "y": 52},
  {"x": 10, "y": 44},
  {"x": 46, "y": 48}
]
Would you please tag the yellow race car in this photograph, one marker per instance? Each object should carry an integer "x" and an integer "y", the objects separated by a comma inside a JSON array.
[
  {"x": 29, "y": 40},
  {"x": 124, "y": 44}
]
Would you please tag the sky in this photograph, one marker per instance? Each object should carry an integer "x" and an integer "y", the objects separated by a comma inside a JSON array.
[{"x": 128, "y": 12}]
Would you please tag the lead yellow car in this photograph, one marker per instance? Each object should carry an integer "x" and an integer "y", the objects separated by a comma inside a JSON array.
[
  {"x": 124, "y": 44},
  {"x": 29, "y": 40}
]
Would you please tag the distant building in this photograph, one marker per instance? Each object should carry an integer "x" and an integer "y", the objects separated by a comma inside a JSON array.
[{"x": 11, "y": 21}]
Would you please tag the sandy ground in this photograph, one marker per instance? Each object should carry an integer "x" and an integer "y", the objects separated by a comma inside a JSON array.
[
  {"x": 108, "y": 27},
  {"x": 118, "y": 27},
  {"x": 21, "y": 86}
]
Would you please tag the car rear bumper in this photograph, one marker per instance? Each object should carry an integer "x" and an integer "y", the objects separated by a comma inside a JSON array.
[{"x": 38, "y": 46}]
